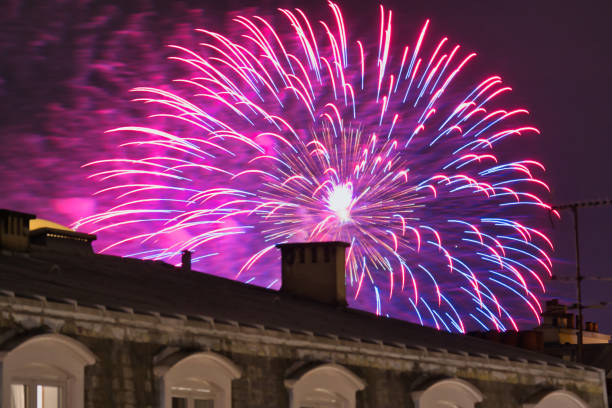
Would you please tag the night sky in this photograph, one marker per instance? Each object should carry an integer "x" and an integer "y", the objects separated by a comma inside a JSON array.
[{"x": 66, "y": 67}]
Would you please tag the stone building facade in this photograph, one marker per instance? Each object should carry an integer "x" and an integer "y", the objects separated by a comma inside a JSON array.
[{"x": 79, "y": 329}]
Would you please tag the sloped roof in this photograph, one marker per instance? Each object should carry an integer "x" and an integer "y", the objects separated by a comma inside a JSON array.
[
  {"x": 38, "y": 223},
  {"x": 152, "y": 286}
]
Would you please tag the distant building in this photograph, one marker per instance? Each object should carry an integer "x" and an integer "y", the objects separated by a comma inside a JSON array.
[
  {"x": 559, "y": 333},
  {"x": 559, "y": 327},
  {"x": 557, "y": 336},
  {"x": 78, "y": 329}
]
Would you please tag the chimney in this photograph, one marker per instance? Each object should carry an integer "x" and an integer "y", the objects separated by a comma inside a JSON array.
[
  {"x": 14, "y": 230},
  {"x": 315, "y": 270},
  {"x": 186, "y": 261},
  {"x": 553, "y": 307},
  {"x": 553, "y": 313}
]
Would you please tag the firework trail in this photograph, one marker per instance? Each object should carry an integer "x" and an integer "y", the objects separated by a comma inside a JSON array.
[{"x": 301, "y": 133}]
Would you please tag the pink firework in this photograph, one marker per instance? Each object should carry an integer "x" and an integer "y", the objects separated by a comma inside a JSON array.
[{"x": 303, "y": 133}]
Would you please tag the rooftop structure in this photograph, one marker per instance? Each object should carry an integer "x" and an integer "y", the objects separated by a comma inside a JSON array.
[
  {"x": 559, "y": 327},
  {"x": 155, "y": 326}
]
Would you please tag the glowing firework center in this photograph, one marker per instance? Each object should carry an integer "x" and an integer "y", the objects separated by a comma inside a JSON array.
[{"x": 340, "y": 201}]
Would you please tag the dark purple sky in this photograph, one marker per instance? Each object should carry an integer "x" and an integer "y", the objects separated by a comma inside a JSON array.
[{"x": 556, "y": 56}]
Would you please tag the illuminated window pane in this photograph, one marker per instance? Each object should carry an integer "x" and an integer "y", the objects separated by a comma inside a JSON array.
[
  {"x": 322, "y": 398},
  {"x": 47, "y": 396},
  {"x": 19, "y": 394},
  {"x": 199, "y": 403},
  {"x": 179, "y": 402}
]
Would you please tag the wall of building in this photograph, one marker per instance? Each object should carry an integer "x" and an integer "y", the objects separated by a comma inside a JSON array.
[{"x": 127, "y": 346}]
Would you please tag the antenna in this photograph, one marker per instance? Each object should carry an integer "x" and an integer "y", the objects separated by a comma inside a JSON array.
[{"x": 574, "y": 208}]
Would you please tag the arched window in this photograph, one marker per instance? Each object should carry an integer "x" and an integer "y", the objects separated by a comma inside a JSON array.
[
  {"x": 558, "y": 399},
  {"x": 45, "y": 371},
  {"x": 200, "y": 380},
  {"x": 325, "y": 386},
  {"x": 448, "y": 393}
]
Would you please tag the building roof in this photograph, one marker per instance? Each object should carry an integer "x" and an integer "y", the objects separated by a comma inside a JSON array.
[
  {"x": 153, "y": 286},
  {"x": 38, "y": 223}
]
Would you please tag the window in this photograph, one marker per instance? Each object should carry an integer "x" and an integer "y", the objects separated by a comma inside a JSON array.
[
  {"x": 36, "y": 395},
  {"x": 194, "y": 394},
  {"x": 558, "y": 399},
  {"x": 325, "y": 386},
  {"x": 200, "y": 380},
  {"x": 45, "y": 371},
  {"x": 448, "y": 393}
]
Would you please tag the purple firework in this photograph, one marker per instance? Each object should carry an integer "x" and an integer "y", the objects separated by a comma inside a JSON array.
[{"x": 300, "y": 133}]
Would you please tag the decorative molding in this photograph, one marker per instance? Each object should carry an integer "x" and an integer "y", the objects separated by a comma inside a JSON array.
[
  {"x": 558, "y": 399},
  {"x": 449, "y": 392},
  {"x": 61, "y": 359},
  {"x": 332, "y": 379},
  {"x": 178, "y": 370}
]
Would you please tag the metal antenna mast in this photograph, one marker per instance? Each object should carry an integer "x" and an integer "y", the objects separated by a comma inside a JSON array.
[{"x": 574, "y": 208}]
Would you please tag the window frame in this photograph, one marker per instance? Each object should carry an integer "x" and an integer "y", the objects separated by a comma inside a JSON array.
[
  {"x": 62, "y": 360},
  {"x": 330, "y": 377},
  {"x": 213, "y": 368},
  {"x": 192, "y": 395},
  {"x": 468, "y": 394},
  {"x": 32, "y": 384}
]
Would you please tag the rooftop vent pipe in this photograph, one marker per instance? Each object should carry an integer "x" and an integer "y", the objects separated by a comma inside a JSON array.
[{"x": 186, "y": 261}]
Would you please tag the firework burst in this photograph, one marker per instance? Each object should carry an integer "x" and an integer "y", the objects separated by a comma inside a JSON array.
[{"x": 301, "y": 133}]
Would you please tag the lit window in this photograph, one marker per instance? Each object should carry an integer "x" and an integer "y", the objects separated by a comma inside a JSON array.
[
  {"x": 194, "y": 394},
  {"x": 200, "y": 380},
  {"x": 32, "y": 395},
  {"x": 325, "y": 386},
  {"x": 448, "y": 393},
  {"x": 45, "y": 371}
]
